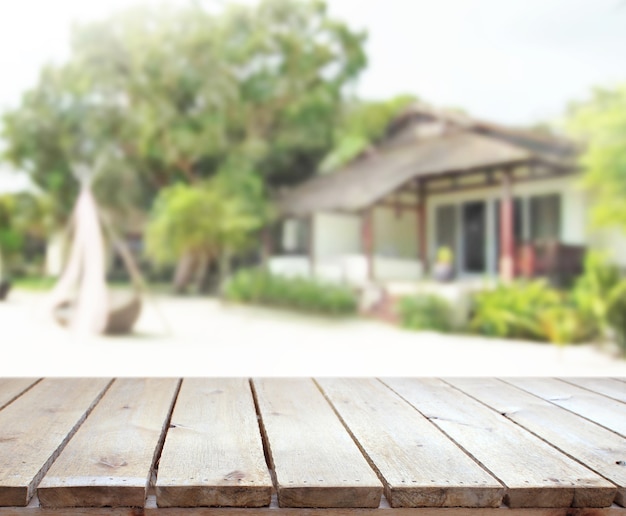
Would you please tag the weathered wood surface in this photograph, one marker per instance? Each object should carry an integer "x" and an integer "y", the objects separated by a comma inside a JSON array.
[
  {"x": 607, "y": 386},
  {"x": 110, "y": 459},
  {"x": 534, "y": 473},
  {"x": 36, "y": 427},
  {"x": 595, "y": 407},
  {"x": 151, "y": 509},
  {"x": 213, "y": 454},
  {"x": 11, "y": 388},
  {"x": 316, "y": 462},
  {"x": 598, "y": 448},
  {"x": 419, "y": 465},
  {"x": 344, "y": 432}
]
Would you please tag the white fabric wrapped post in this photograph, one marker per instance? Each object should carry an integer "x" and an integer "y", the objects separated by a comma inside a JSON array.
[{"x": 85, "y": 269}]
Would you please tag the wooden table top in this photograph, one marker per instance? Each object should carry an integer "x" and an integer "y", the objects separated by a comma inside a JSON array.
[{"x": 237, "y": 446}]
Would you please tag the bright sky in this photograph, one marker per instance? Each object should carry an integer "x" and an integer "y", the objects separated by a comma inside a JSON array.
[{"x": 513, "y": 61}]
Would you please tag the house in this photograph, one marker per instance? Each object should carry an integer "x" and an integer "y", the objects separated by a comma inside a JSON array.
[{"x": 506, "y": 202}]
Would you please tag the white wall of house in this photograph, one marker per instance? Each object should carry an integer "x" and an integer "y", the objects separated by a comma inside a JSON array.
[
  {"x": 395, "y": 233},
  {"x": 336, "y": 234},
  {"x": 338, "y": 249}
]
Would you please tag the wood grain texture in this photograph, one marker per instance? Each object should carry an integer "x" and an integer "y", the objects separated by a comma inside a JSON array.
[
  {"x": 317, "y": 464},
  {"x": 11, "y": 388},
  {"x": 213, "y": 453},
  {"x": 598, "y": 448},
  {"x": 418, "y": 464},
  {"x": 606, "y": 386},
  {"x": 34, "y": 429},
  {"x": 534, "y": 473},
  {"x": 598, "y": 408},
  {"x": 384, "y": 509},
  {"x": 109, "y": 460}
]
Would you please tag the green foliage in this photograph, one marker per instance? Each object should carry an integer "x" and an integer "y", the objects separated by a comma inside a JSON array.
[
  {"x": 425, "y": 312},
  {"x": 23, "y": 216},
  {"x": 530, "y": 310},
  {"x": 361, "y": 125},
  {"x": 511, "y": 310},
  {"x": 159, "y": 95},
  {"x": 566, "y": 324},
  {"x": 220, "y": 214},
  {"x": 593, "y": 289},
  {"x": 260, "y": 287},
  {"x": 601, "y": 123},
  {"x": 616, "y": 314}
]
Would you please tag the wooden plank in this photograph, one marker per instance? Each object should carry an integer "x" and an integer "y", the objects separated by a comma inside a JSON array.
[
  {"x": 213, "y": 454},
  {"x": 606, "y": 386},
  {"x": 12, "y": 388},
  {"x": 595, "y": 407},
  {"x": 110, "y": 459},
  {"x": 317, "y": 464},
  {"x": 534, "y": 473},
  {"x": 36, "y": 427},
  {"x": 384, "y": 509},
  {"x": 418, "y": 464},
  {"x": 594, "y": 446}
]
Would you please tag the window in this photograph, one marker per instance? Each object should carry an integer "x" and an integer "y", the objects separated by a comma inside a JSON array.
[
  {"x": 545, "y": 217},
  {"x": 446, "y": 227},
  {"x": 295, "y": 238}
]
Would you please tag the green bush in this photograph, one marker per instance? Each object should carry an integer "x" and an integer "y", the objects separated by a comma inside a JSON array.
[
  {"x": 531, "y": 310},
  {"x": 260, "y": 287},
  {"x": 593, "y": 289},
  {"x": 512, "y": 310},
  {"x": 616, "y": 314},
  {"x": 425, "y": 312}
]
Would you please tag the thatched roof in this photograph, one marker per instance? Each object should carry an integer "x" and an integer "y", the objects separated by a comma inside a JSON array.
[{"x": 465, "y": 146}]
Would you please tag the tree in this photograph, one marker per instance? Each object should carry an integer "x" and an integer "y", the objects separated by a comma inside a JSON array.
[
  {"x": 176, "y": 91},
  {"x": 205, "y": 222},
  {"x": 601, "y": 124},
  {"x": 361, "y": 125},
  {"x": 155, "y": 97},
  {"x": 23, "y": 217}
]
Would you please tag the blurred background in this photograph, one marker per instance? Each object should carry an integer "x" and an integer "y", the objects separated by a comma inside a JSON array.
[{"x": 452, "y": 170}]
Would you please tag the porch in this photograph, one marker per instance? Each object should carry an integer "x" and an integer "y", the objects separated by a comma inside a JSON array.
[
  {"x": 505, "y": 206},
  {"x": 275, "y": 446}
]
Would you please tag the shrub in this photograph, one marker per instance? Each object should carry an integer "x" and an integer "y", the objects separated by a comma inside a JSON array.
[
  {"x": 566, "y": 324},
  {"x": 592, "y": 290},
  {"x": 425, "y": 312},
  {"x": 531, "y": 310},
  {"x": 261, "y": 287},
  {"x": 512, "y": 310}
]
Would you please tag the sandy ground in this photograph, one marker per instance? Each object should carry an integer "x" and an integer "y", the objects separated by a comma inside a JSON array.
[{"x": 202, "y": 337}]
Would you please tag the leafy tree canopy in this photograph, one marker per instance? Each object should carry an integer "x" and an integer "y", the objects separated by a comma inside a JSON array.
[
  {"x": 601, "y": 124},
  {"x": 152, "y": 97},
  {"x": 362, "y": 124},
  {"x": 204, "y": 220}
]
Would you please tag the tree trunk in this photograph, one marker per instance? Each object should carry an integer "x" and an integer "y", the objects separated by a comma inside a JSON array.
[
  {"x": 184, "y": 273},
  {"x": 224, "y": 268},
  {"x": 201, "y": 273}
]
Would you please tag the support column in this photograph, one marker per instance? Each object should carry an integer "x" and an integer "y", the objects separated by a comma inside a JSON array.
[
  {"x": 507, "y": 235},
  {"x": 311, "y": 238},
  {"x": 367, "y": 240},
  {"x": 421, "y": 226}
]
